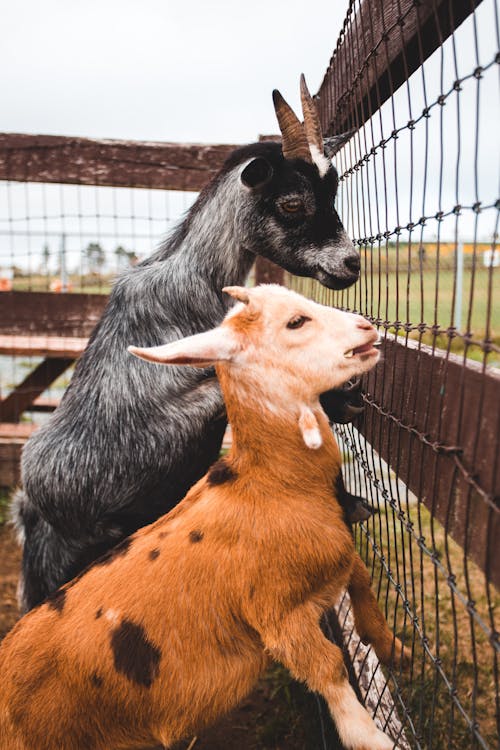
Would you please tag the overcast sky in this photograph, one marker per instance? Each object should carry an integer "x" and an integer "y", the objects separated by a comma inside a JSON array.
[
  {"x": 159, "y": 69},
  {"x": 200, "y": 71}
]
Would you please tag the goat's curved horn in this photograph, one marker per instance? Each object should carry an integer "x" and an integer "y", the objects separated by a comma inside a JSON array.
[
  {"x": 312, "y": 125},
  {"x": 294, "y": 142}
]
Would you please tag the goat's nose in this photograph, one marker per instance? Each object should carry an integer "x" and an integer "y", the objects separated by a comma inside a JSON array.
[
  {"x": 353, "y": 263},
  {"x": 365, "y": 325}
]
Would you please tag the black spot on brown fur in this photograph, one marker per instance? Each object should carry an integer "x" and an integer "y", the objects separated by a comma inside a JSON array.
[
  {"x": 163, "y": 534},
  {"x": 96, "y": 680},
  {"x": 220, "y": 473},
  {"x": 117, "y": 551},
  {"x": 154, "y": 554},
  {"x": 57, "y": 599},
  {"x": 98, "y": 613},
  {"x": 251, "y": 592},
  {"x": 195, "y": 536},
  {"x": 134, "y": 655}
]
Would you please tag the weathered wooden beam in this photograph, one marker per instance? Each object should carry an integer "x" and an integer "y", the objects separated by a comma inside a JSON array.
[
  {"x": 85, "y": 161},
  {"x": 16, "y": 432},
  {"x": 10, "y": 456},
  {"x": 267, "y": 272},
  {"x": 12, "y": 440},
  {"x": 12, "y": 407},
  {"x": 435, "y": 419},
  {"x": 43, "y": 404},
  {"x": 42, "y": 346},
  {"x": 46, "y": 313},
  {"x": 383, "y": 44}
]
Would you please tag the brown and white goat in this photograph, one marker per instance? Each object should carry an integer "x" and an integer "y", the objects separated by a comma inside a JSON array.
[{"x": 175, "y": 625}]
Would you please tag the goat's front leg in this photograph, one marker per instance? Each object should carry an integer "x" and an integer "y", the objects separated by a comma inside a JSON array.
[
  {"x": 370, "y": 623},
  {"x": 298, "y": 643}
]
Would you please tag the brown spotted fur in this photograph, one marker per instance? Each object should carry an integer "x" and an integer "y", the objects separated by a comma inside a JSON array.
[{"x": 174, "y": 631}]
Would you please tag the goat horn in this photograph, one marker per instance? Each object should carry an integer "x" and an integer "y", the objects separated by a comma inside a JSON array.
[
  {"x": 312, "y": 125},
  {"x": 294, "y": 142}
]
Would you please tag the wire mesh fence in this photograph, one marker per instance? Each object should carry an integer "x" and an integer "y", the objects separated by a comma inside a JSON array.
[
  {"x": 419, "y": 195},
  {"x": 56, "y": 237},
  {"x": 63, "y": 245}
]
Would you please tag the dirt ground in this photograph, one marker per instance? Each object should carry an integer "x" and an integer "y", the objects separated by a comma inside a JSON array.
[{"x": 279, "y": 714}]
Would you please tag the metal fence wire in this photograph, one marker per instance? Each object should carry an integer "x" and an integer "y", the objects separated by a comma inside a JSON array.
[
  {"x": 419, "y": 195},
  {"x": 417, "y": 83}
]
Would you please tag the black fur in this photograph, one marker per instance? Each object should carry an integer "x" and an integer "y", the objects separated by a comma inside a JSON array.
[
  {"x": 355, "y": 508},
  {"x": 57, "y": 599},
  {"x": 96, "y": 680},
  {"x": 134, "y": 655},
  {"x": 220, "y": 473}
]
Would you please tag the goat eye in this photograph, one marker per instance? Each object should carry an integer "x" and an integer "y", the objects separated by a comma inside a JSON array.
[
  {"x": 292, "y": 206},
  {"x": 297, "y": 321}
]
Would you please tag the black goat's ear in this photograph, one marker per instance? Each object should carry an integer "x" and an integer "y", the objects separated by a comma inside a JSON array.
[
  {"x": 257, "y": 173},
  {"x": 335, "y": 142}
]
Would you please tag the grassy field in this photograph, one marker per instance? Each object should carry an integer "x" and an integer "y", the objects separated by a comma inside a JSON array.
[
  {"x": 90, "y": 283},
  {"x": 452, "y": 635},
  {"x": 427, "y": 299}
]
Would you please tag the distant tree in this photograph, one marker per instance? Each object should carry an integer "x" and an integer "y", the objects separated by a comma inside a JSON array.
[
  {"x": 45, "y": 259},
  {"x": 125, "y": 257},
  {"x": 96, "y": 257}
]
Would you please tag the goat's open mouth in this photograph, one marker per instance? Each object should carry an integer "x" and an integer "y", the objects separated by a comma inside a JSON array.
[{"x": 369, "y": 348}]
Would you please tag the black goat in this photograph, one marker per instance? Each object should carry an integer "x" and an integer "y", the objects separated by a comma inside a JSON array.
[{"x": 129, "y": 440}]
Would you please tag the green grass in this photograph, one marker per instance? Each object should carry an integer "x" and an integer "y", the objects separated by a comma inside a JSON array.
[
  {"x": 399, "y": 298},
  {"x": 90, "y": 283},
  {"x": 452, "y": 634},
  {"x": 4, "y": 505}
]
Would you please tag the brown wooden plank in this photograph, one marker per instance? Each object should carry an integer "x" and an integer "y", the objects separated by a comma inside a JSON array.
[
  {"x": 385, "y": 42},
  {"x": 435, "y": 420},
  {"x": 12, "y": 407},
  {"x": 46, "y": 313},
  {"x": 267, "y": 272},
  {"x": 42, "y": 346},
  {"x": 16, "y": 432},
  {"x": 85, "y": 161},
  {"x": 10, "y": 457},
  {"x": 44, "y": 404}
]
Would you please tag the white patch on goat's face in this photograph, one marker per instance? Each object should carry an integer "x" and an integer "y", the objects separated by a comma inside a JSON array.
[{"x": 322, "y": 162}]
